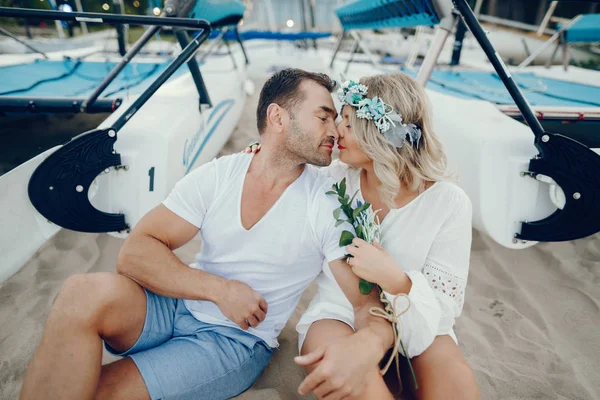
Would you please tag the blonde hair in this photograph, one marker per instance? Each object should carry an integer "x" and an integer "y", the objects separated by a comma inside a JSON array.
[{"x": 407, "y": 165}]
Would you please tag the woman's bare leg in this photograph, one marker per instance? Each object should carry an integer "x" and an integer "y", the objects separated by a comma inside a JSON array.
[
  {"x": 443, "y": 373},
  {"x": 88, "y": 308},
  {"x": 326, "y": 330}
]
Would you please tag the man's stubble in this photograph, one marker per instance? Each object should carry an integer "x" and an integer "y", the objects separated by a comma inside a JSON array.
[{"x": 302, "y": 145}]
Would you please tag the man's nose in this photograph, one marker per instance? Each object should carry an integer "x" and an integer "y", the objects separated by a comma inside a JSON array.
[{"x": 334, "y": 132}]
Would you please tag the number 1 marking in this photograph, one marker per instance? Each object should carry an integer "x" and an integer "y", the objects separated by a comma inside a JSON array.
[{"x": 151, "y": 175}]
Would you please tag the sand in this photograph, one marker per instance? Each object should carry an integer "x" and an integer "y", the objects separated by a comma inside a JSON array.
[{"x": 529, "y": 328}]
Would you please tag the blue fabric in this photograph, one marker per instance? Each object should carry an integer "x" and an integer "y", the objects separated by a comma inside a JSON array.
[
  {"x": 250, "y": 35},
  {"x": 586, "y": 30},
  {"x": 379, "y": 14},
  {"x": 182, "y": 358},
  {"x": 75, "y": 78},
  {"x": 215, "y": 11},
  {"x": 488, "y": 86}
]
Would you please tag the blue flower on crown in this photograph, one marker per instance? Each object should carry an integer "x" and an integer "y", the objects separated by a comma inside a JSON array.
[
  {"x": 375, "y": 106},
  {"x": 388, "y": 121},
  {"x": 353, "y": 98}
]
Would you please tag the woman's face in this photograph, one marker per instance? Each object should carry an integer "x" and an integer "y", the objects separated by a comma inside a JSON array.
[{"x": 350, "y": 151}]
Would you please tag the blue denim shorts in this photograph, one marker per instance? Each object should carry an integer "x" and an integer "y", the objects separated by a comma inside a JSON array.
[{"x": 180, "y": 357}]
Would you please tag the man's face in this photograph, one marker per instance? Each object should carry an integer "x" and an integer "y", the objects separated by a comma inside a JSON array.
[{"x": 312, "y": 131}]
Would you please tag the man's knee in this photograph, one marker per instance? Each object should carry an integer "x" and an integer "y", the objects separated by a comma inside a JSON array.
[{"x": 84, "y": 297}]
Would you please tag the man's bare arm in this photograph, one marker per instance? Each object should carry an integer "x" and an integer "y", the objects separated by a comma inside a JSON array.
[{"x": 147, "y": 257}]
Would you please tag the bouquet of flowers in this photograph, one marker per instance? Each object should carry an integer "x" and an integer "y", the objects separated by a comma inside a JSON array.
[
  {"x": 362, "y": 218},
  {"x": 366, "y": 227}
]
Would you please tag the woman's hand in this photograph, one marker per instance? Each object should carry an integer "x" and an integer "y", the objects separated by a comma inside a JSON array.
[
  {"x": 373, "y": 263},
  {"x": 253, "y": 147}
]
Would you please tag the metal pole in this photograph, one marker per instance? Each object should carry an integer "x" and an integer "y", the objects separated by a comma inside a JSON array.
[
  {"x": 101, "y": 18},
  {"x": 79, "y": 8},
  {"x": 10, "y": 35},
  {"x": 416, "y": 45},
  {"x": 547, "y": 43},
  {"x": 230, "y": 54},
  {"x": 194, "y": 68},
  {"x": 547, "y": 17},
  {"x": 365, "y": 49},
  {"x": 311, "y": 13},
  {"x": 354, "y": 49},
  {"x": 119, "y": 67},
  {"x": 445, "y": 28},
  {"x": 337, "y": 47},
  {"x": 186, "y": 54},
  {"x": 478, "y": 5},
  {"x": 304, "y": 24},
  {"x": 239, "y": 39},
  {"x": 500, "y": 67},
  {"x": 26, "y": 23},
  {"x": 118, "y": 9},
  {"x": 59, "y": 27},
  {"x": 214, "y": 45},
  {"x": 461, "y": 29}
]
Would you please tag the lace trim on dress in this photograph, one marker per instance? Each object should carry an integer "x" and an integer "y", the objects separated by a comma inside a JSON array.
[{"x": 445, "y": 283}]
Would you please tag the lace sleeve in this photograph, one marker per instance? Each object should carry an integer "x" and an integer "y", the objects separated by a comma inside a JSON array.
[
  {"x": 446, "y": 283},
  {"x": 447, "y": 264},
  {"x": 437, "y": 293}
]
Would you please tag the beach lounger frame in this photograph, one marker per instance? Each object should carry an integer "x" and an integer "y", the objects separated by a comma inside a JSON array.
[{"x": 561, "y": 36}]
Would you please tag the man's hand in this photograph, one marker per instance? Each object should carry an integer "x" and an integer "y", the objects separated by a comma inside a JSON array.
[
  {"x": 242, "y": 304},
  {"x": 343, "y": 366}
]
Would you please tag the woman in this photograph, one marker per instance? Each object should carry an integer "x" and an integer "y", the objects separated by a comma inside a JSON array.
[{"x": 390, "y": 155}]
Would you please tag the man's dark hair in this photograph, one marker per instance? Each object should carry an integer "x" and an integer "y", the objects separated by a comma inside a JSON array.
[{"x": 283, "y": 89}]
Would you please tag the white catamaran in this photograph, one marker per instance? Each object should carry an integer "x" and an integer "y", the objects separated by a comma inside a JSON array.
[{"x": 163, "y": 122}]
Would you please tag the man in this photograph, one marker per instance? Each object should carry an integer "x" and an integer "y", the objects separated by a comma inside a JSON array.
[{"x": 266, "y": 226}]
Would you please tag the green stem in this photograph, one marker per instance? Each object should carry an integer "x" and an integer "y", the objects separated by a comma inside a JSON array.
[{"x": 412, "y": 371}]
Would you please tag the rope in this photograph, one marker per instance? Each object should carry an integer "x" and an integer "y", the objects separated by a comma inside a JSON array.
[{"x": 392, "y": 314}]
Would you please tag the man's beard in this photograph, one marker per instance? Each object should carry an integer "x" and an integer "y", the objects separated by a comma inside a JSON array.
[{"x": 301, "y": 144}]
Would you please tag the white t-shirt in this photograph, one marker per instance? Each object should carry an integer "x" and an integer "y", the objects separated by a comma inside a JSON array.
[
  {"x": 430, "y": 239},
  {"x": 278, "y": 257}
]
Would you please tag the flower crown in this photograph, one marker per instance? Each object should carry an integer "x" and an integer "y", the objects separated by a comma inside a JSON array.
[{"x": 388, "y": 121}]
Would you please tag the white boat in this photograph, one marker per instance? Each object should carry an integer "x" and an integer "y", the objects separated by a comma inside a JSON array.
[{"x": 177, "y": 129}]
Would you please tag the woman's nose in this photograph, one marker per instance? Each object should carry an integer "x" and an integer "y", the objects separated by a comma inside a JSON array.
[{"x": 340, "y": 131}]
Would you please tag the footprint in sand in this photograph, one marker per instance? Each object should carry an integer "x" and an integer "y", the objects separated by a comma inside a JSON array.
[{"x": 497, "y": 308}]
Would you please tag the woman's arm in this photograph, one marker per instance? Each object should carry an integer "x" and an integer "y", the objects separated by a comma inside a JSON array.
[
  {"x": 436, "y": 292},
  {"x": 376, "y": 330}
]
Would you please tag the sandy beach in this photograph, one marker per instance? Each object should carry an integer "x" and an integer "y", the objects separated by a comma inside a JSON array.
[{"x": 529, "y": 327}]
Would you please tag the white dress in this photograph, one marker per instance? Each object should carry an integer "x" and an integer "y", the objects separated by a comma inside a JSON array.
[{"x": 430, "y": 239}]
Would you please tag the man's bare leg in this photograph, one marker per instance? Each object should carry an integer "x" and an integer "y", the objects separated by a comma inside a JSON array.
[
  {"x": 121, "y": 380},
  {"x": 88, "y": 308}
]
